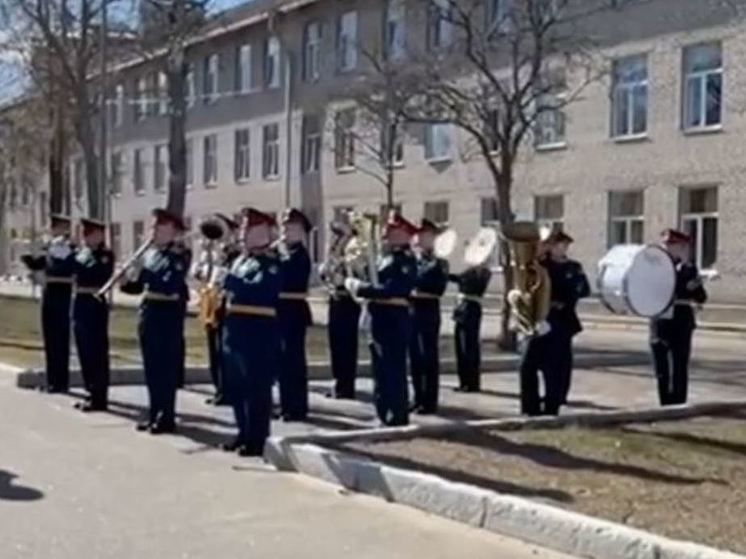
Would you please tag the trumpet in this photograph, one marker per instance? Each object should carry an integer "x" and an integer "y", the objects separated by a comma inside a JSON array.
[{"x": 119, "y": 274}]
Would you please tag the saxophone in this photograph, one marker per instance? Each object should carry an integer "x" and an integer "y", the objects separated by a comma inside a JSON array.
[{"x": 530, "y": 293}]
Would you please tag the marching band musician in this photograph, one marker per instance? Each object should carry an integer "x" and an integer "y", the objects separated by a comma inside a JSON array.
[
  {"x": 467, "y": 316},
  {"x": 431, "y": 283},
  {"x": 343, "y": 318},
  {"x": 161, "y": 279},
  {"x": 390, "y": 319},
  {"x": 251, "y": 334},
  {"x": 294, "y": 315},
  {"x": 58, "y": 263},
  {"x": 569, "y": 284},
  {"x": 671, "y": 334},
  {"x": 94, "y": 264}
]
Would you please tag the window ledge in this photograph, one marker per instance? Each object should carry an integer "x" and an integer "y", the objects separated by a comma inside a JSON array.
[
  {"x": 551, "y": 147},
  {"x": 439, "y": 160},
  {"x": 398, "y": 165},
  {"x": 700, "y": 130},
  {"x": 631, "y": 139},
  {"x": 346, "y": 170},
  {"x": 211, "y": 185},
  {"x": 140, "y": 192},
  {"x": 243, "y": 181},
  {"x": 271, "y": 178}
]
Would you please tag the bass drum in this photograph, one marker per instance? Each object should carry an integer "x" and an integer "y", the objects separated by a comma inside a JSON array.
[{"x": 637, "y": 279}]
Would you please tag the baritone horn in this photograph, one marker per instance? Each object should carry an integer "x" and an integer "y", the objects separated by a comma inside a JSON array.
[
  {"x": 530, "y": 293},
  {"x": 445, "y": 243},
  {"x": 214, "y": 229}
]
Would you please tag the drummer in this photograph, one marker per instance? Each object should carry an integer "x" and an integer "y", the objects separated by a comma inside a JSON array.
[
  {"x": 671, "y": 333},
  {"x": 569, "y": 285}
]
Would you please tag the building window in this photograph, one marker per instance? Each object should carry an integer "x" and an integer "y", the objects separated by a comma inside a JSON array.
[
  {"x": 437, "y": 212},
  {"x": 699, "y": 219},
  {"x": 703, "y": 86},
  {"x": 243, "y": 69},
  {"x": 437, "y": 142},
  {"x": 160, "y": 163},
  {"x": 210, "y": 78},
  {"x": 162, "y": 93},
  {"x": 138, "y": 174},
  {"x": 630, "y": 96},
  {"x": 189, "y": 148},
  {"x": 116, "y": 172},
  {"x": 191, "y": 90},
  {"x": 78, "y": 178},
  {"x": 271, "y": 151},
  {"x": 489, "y": 217},
  {"x": 626, "y": 218},
  {"x": 138, "y": 234},
  {"x": 347, "y": 42},
  {"x": 440, "y": 26},
  {"x": 397, "y": 150},
  {"x": 549, "y": 211},
  {"x": 344, "y": 139},
  {"x": 497, "y": 12},
  {"x": 210, "y": 161},
  {"x": 242, "y": 167},
  {"x": 312, "y": 52},
  {"x": 272, "y": 62},
  {"x": 141, "y": 100},
  {"x": 549, "y": 130},
  {"x": 152, "y": 92},
  {"x": 115, "y": 232},
  {"x": 394, "y": 31},
  {"x": 118, "y": 107},
  {"x": 311, "y": 149}
]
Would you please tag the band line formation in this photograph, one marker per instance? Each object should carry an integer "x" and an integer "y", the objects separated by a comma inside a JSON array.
[{"x": 386, "y": 277}]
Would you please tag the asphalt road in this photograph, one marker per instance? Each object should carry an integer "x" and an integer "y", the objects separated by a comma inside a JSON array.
[{"x": 74, "y": 486}]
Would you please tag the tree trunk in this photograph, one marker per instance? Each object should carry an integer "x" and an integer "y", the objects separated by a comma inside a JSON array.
[
  {"x": 507, "y": 339},
  {"x": 87, "y": 141},
  {"x": 57, "y": 166},
  {"x": 177, "y": 162}
]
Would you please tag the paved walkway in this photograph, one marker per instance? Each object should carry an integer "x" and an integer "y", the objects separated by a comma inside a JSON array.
[{"x": 75, "y": 486}]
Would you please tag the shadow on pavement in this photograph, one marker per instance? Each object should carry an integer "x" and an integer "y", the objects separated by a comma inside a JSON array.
[{"x": 10, "y": 491}]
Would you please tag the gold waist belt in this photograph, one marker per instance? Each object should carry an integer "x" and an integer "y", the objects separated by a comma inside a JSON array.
[
  {"x": 152, "y": 296},
  {"x": 252, "y": 310},
  {"x": 423, "y": 295},
  {"x": 86, "y": 290},
  {"x": 293, "y": 296},
  {"x": 472, "y": 298},
  {"x": 392, "y": 301},
  {"x": 59, "y": 280}
]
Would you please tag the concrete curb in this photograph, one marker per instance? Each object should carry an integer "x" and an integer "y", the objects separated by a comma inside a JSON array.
[
  {"x": 544, "y": 525},
  {"x": 584, "y": 419},
  {"x": 132, "y": 374}
]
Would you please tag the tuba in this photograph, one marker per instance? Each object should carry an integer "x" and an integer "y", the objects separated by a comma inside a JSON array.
[
  {"x": 530, "y": 294},
  {"x": 361, "y": 254},
  {"x": 332, "y": 271}
]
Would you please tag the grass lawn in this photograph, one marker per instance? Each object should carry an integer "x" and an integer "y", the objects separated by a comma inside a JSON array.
[
  {"x": 685, "y": 479},
  {"x": 20, "y": 337}
]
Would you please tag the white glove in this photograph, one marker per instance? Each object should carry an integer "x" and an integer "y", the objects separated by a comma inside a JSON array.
[
  {"x": 543, "y": 328},
  {"x": 353, "y": 285},
  {"x": 60, "y": 250}
]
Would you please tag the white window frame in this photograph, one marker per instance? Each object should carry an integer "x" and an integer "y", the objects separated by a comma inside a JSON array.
[
  {"x": 242, "y": 154},
  {"x": 191, "y": 89},
  {"x": 189, "y": 171},
  {"x": 271, "y": 151},
  {"x": 629, "y": 90},
  {"x": 244, "y": 70},
  {"x": 139, "y": 181},
  {"x": 433, "y": 207},
  {"x": 311, "y": 150},
  {"x": 160, "y": 167},
  {"x": 210, "y": 160},
  {"x": 550, "y": 127},
  {"x": 699, "y": 218},
  {"x": 141, "y": 103},
  {"x": 394, "y": 29},
  {"x": 496, "y": 15},
  {"x": 438, "y": 132},
  {"x": 627, "y": 220},
  {"x": 347, "y": 29},
  {"x": 116, "y": 172},
  {"x": 271, "y": 66},
  {"x": 555, "y": 223},
  {"x": 703, "y": 77},
  {"x": 118, "y": 119},
  {"x": 344, "y": 140},
  {"x": 312, "y": 51},
  {"x": 163, "y": 99},
  {"x": 440, "y": 29},
  {"x": 210, "y": 79}
]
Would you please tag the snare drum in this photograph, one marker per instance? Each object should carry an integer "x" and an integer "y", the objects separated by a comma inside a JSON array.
[{"x": 637, "y": 279}]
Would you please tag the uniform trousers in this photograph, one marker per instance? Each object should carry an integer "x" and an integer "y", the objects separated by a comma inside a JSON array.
[
  {"x": 390, "y": 332},
  {"x": 424, "y": 354},
  {"x": 55, "y": 322},
  {"x": 342, "y": 331},
  {"x": 91, "y": 327}
]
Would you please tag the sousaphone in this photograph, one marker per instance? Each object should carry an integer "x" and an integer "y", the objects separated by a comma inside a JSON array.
[{"x": 480, "y": 247}]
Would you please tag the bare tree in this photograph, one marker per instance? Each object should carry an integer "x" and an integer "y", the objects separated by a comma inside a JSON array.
[
  {"x": 166, "y": 27},
  {"x": 60, "y": 42}
]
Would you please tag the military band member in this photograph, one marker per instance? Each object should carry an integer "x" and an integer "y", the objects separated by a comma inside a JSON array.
[
  {"x": 57, "y": 263},
  {"x": 294, "y": 315},
  {"x": 467, "y": 316},
  {"x": 431, "y": 283},
  {"x": 388, "y": 303},
  {"x": 252, "y": 335},
  {"x": 569, "y": 285},
  {"x": 161, "y": 280},
  {"x": 671, "y": 334},
  {"x": 94, "y": 265},
  {"x": 343, "y": 318}
]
